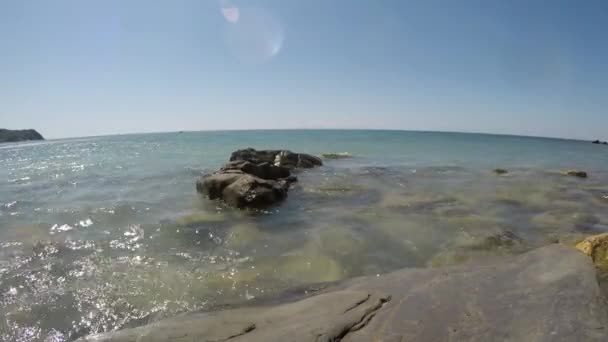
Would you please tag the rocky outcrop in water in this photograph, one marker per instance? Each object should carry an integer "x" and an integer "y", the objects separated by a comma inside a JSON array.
[
  {"x": 7, "y": 135},
  {"x": 549, "y": 294},
  {"x": 576, "y": 173},
  {"x": 599, "y": 142},
  {"x": 282, "y": 158},
  {"x": 254, "y": 179}
]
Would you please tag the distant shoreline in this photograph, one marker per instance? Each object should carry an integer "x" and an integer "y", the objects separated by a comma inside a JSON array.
[{"x": 10, "y": 136}]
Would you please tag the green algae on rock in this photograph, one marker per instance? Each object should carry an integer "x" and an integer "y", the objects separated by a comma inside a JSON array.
[
  {"x": 244, "y": 234},
  {"x": 340, "y": 155},
  {"x": 200, "y": 217}
]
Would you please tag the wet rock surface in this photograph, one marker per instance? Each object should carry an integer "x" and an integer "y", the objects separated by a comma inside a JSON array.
[
  {"x": 255, "y": 179},
  {"x": 576, "y": 173},
  {"x": 549, "y": 294},
  {"x": 282, "y": 158}
]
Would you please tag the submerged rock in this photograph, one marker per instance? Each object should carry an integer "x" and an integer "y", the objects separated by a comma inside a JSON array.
[
  {"x": 477, "y": 246},
  {"x": 596, "y": 247},
  {"x": 340, "y": 155},
  {"x": 549, "y": 294},
  {"x": 302, "y": 266},
  {"x": 254, "y": 179},
  {"x": 244, "y": 234},
  {"x": 576, "y": 173},
  {"x": 200, "y": 217}
]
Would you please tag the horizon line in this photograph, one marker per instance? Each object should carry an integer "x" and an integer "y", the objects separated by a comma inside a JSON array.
[{"x": 321, "y": 129}]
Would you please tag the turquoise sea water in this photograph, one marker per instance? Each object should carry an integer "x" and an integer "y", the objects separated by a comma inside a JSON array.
[{"x": 107, "y": 232}]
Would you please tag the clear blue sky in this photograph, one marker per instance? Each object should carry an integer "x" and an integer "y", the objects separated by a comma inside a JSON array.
[{"x": 80, "y": 68}]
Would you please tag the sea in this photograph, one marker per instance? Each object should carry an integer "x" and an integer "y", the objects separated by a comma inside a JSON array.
[{"x": 104, "y": 233}]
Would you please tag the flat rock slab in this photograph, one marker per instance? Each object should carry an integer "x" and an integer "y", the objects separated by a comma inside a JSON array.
[{"x": 549, "y": 294}]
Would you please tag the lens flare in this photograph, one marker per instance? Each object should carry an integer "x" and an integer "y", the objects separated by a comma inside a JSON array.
[
  {"x": 253, "y": 35},
  {"x": 230, "y": 12}
]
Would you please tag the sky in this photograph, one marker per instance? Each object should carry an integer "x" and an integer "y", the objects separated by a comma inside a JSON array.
[{"x": 73, "y": 68}]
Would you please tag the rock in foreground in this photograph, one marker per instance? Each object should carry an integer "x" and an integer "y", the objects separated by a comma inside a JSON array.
[
  {"x": 254, "y": 179},
  {"x": 596, "y": 247},
  {"x": 7, "y": 135},
  {"x": 550, "y": 294}
]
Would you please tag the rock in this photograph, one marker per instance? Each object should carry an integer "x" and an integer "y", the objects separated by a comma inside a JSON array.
[
  {"x": 596, "y": 142},
  {"x": 500, "y": 171},
  {"x": 576, "y": 173},
  {"x": 263, "y": 170},
  {"x": 297, "y": 160},
  {"x": 254, "y": 156},
  {"x": 242, "y": 190},
  {"x": 255, "y": 178},
  {"x": 283, "y": 158},
  {"x": 341, "y": 155},
  {"x": 503, "y": 239},
  {"x": 251, "y": 191},
  {"x": 596, "y": 247},
  {"x": 549, "y": 294},
  {"x": 7, "y": 135},
  {"x": 213, "y": 185}
]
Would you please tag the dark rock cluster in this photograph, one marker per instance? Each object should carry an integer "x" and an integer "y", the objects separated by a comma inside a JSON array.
[{"x": 254, "y": 179}]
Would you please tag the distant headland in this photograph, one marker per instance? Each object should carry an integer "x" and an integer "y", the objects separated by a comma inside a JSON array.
[{"x": 7, "y": 135}]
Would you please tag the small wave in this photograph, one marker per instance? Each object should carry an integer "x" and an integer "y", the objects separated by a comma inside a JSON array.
[
  {"x": 60, "y": 229},
  {"x": 86, "y": 223}
]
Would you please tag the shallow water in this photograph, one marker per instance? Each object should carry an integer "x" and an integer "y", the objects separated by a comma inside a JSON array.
[{"x": 102, "y": 233}]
